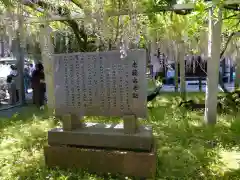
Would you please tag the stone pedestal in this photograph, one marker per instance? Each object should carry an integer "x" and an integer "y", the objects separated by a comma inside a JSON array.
[
  {"x": 98, "y": 135},
  {"x": 104, "y": 148},
  {"x": 129, "y": 163}
]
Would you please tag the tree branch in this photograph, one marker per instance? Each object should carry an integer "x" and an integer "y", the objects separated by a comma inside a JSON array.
[
  {"x": 7, "y": 3},
  {"x": 118, "y": 22},
  {"x": 78, "y": 32},
  {"x": 77, "y": 3},
  {"x": 234, "y": 7},
  {"x": 226, "y": 45},
  {"x": 228, "y": 41},
  {"x": 221, "y": 56},
  {"x": 234, "y": 15}
]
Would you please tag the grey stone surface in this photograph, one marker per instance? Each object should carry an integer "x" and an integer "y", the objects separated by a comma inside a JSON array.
[
  {"x": 103, "y": 136},
  {"x": 138, "y": 164},
  {"x": 101, "y": 83}
]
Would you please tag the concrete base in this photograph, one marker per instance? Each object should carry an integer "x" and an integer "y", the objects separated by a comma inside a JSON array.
[
  {"x": 103, "y": 136},
  {"x": 137, "y": 164}
]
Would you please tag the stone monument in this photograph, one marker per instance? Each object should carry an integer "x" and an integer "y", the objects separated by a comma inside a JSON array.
[{"x": 101, "y": 84}]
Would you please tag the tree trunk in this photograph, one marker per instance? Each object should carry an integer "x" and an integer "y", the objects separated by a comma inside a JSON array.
[
  {"x": 2, "y": 46},
  {"x": 223, "y": 63},
  {"x": 182, "y": 70},
  {"x": 221, "y": 83},
  {"x": 153, "y": 48},
  {"x": 200, "y": 84},
  {"x": 237, "y": 71},
  {"x": 231, "y": 69},
  {"x": 213, "y": 67},
  {"x": 47, "y": 50},
  {"x": 176, "y": 68},
  {"x": 20, "y": 60}
]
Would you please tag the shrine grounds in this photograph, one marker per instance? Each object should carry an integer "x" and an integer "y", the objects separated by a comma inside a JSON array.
[{"x": 187, "y": 149}]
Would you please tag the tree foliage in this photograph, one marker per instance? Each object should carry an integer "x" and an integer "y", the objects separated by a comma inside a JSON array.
[{"x": 84, "y": 34}]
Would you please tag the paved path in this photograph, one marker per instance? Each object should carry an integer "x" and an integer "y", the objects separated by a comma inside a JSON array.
[
  {"x": 10, "y": 112},
  {"x": 166, "y": 88},
  {"x": 195, "y": 88}
]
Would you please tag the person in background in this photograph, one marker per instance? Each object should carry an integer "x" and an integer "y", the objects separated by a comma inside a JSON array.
[
  {"x": 11, "y": 90},
  {"x": 31, "y": 69},
  {"x": 156, "y": 65},
  {"x": 170, "y": 75},
  {"x": 14, "y": 74},
  {"x": 26, "y": 77},
  {"x": 13, "y": 71},
  {"x": 38, "y": 86}
]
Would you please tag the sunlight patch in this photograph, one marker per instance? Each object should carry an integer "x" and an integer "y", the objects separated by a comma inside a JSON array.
[
  {"x": 163, "y": 101},
  {"x": 15, "y": 115},
  {"x": 35, "y": 117},
  {"x": 231, "y": 159},
  {"x": 195, "y": 123}
]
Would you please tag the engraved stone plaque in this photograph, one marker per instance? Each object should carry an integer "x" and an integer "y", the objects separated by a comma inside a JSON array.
[{"x": 101, "y": 83}]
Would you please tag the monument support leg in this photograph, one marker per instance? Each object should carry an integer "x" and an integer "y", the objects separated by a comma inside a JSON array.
[
  {"x": 130, "y": 124},
  {"x": 71, "y": 122}
]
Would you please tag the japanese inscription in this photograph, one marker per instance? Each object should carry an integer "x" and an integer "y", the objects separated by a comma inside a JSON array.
[{"x": 101, "y": 84}]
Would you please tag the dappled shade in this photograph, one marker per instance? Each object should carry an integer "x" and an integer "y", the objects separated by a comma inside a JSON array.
[{"x": 186, "y": 148}]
